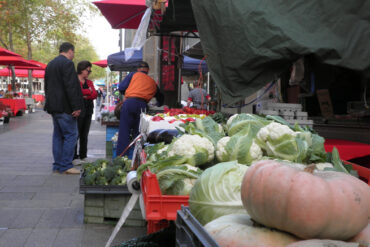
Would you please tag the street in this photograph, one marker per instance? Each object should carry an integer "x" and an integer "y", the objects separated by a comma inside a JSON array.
[{"x": 37, "y": 207}]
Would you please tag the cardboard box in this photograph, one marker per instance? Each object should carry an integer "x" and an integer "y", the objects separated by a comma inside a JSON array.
[{"x": 326, "y": 106}]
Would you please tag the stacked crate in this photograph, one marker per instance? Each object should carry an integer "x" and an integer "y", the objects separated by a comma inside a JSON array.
[{"x": 292, "y": 113}]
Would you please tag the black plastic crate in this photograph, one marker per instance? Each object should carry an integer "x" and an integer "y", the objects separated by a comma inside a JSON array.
[
  {"x": 102, "y": 189},
  {"x": 190, "y": 233}
]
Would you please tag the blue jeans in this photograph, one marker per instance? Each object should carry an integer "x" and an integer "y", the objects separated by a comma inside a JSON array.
[
  {"x": 64, "y": 141},
  {"x": 129, "y": 123}
]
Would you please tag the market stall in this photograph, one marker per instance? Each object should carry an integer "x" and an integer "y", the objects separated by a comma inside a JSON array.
[
  {"x": 16, "y": 105},
  {"x": 38, "y": 97}
]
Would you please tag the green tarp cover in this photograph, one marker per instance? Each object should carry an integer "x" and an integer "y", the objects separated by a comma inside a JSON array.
[{"x": 248, "y": 43}]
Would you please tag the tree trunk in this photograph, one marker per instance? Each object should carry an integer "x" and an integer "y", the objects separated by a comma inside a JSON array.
[
  {"x": 30, "y": 79},
  {"x": 12, "y": 49}
]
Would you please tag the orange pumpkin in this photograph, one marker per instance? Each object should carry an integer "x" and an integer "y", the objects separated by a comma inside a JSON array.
[
  {"x": 363, "y": 236},
  {"x": 323, "y": 243},
  {"x": 308, "y": 204},
  {"x": 238, "y": 230}
]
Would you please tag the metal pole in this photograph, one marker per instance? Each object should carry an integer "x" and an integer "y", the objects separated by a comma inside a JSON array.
[
  {"x": 179, "y": 79},
  {"x": 208, "y": 82}
]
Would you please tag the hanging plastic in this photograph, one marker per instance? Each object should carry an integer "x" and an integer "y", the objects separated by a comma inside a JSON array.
[{"x": 140, "y": 36}]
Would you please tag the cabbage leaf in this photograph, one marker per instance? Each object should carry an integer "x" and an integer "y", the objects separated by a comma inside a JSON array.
[{"x": 217, "y": 192}]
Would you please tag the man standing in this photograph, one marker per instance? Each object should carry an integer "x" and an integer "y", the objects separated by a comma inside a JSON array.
[
  {"x": 199, "y": 97},
  {"x": 139, "y": 89},
  {"x": 64, "y": 102}
]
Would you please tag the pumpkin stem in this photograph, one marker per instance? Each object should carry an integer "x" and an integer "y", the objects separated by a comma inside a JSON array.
[{"x": 310, "y": 168}]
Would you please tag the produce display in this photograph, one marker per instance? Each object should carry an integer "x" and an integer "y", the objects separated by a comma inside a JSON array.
[
  {"x": 238, "y": 230},
  {"x": 104, "y": 172},
  {"x": 306, "y": 202}
]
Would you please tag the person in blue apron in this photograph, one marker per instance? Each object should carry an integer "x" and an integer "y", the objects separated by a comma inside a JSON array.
[{"x": 138, "y": 89}]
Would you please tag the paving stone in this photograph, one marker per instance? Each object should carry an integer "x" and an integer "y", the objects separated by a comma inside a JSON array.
[
  {"x": 51, "y": 218},
  {"x": 29, "y": 180},
  {"x": 16, "y": 195},
  {"x": 21, "y": 188},
  {"x": 15, "y": 237},
  {"x": 72, "y": 218},
  {"x": 7, "y": 216},
  {"x": 28, "y": 218},
  {"x": 71, "y": 237},
  {"x": 42, "y": 238}
]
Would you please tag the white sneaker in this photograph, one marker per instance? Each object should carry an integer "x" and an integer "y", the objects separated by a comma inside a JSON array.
[
  {"x": 76, "y": 162},
  {"x": 86, "y": 160}
]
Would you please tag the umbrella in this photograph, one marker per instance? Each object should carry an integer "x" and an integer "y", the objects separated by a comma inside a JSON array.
[
  {"x": 16, "y": 61},
  {"x": 42, "y": 66},
  {"x": 22, "y": 73},
  {"x": 101, "y": 63},
  {"x": 122, "y": 13},
  {"x": 5, "y": 52}
]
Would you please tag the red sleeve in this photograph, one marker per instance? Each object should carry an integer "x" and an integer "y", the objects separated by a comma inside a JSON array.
[
  {"x": 190, "y": 99},
  {"x": 85, "y": 92},
  {"x": 208, "y": 97},
  {"x": 94, "y": 94}
]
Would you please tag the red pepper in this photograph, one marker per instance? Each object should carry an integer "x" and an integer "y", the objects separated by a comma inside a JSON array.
[
  {"x": 171, "y": 121},
  {"x": 157, "y": 118}
]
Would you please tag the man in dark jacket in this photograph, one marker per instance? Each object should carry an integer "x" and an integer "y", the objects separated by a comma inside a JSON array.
[{"x": 64, "y": 102}]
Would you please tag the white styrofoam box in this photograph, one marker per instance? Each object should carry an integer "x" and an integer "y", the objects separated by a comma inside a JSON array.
[
  {"x": 147, "y": 125},
  {"x": 1, "y": 121},
  {"x": 269, "y": 112},
  {"x": 26, "y": 111},
  {"x": 301, "y": 122},
  {"x": 33, "y": 109},
  {"x": 287, "y": 114},
  {"x": 284, "y": 106},
  {"x": 301, "y": 115}
]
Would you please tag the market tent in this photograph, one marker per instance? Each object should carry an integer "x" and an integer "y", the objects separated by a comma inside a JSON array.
[
  {"x": 22, "y": 73},
  {"x": 101, "y": 63},
  {"x": 193, "y": 64},
  {"x": 249, "y": 44},
  {"x": 16, "y": 61},
  {"x": 117, "y": 62},
  {"x": 42, "y": 66},
  {"x": 5, "y": 52},
  {"x": 122, "y": 13}
]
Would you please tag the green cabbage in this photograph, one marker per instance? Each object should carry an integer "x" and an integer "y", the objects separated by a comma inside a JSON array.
[
  {"x": 242, "y": 121},
  {"x": 217, "y": 192}
]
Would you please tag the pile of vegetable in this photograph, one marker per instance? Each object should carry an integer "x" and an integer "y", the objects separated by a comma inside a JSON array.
[
  {"x": 104, "y": 172},
  {"x": 244, "y": 138},
  {"x": 186, "y": 110}
]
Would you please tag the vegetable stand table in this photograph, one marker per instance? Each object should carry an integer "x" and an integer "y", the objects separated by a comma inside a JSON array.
[
  {"x": 347, "y": 149},
  {"x": 38, "y": 97},
  {"x": 15, "y": 104}
]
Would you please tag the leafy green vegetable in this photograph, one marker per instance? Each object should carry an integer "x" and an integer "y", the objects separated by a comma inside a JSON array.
[
  {"x": 241, "y": 121},
  {"x": 217, "y": 192}
]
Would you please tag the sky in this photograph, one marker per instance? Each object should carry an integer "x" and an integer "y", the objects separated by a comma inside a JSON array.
[{"x": 102, "y": 36}]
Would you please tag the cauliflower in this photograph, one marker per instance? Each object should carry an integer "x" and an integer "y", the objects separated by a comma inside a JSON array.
[
  {"x": 230, "y": 120},
  {"x": 279, "y": 141},
  {"x": 240, "y": 148},
  {"x": 274, "y": 131},
  {"x": 322, "y": 166},
  {"x": 193, "y": 147}
]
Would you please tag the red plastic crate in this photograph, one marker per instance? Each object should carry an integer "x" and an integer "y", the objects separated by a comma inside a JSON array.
[
  {"x": 363, "y": 172},
  {"x": 159, "y": 207}
]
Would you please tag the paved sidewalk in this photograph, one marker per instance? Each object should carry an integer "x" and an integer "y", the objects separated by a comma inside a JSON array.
[{"x": 37, "y": 207}]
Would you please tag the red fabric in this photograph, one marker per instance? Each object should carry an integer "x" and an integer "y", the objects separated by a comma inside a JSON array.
[
  {"x": 42, "y": 66},
  {"x": 87, "y": 93},
  {"x": 22, "y": 73},
  {"x": 101, "y": 63},
  {"x": 16, "y": 61},
  {"x": 122, "y": 13},
  {"x": 38, "y": 97},
  {"x": 15, "y": 104},
  {"x": 5, "y": 52},
  {"x": 347, "y": 149}
]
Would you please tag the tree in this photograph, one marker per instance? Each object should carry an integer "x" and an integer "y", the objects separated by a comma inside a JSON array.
[{"x": 35, "y": 22}]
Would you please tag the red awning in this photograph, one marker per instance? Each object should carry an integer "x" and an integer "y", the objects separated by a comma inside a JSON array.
[
  {"x": 122, "y": 13},
  {"x": 16, "y": 61},
  {"x": 101, "y": 63},
  {"x": 42, "y": 66},
  {"x": 22, "y": 73},
  {"x": 5, "y": 52}
]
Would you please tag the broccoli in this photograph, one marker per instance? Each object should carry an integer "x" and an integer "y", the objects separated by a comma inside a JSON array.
[
  {"x": 119, "y": 180},
  {"x": 90, "y": 179},
  {"x": 110, "y": 172},
  {"x": 101, "y": 181}
]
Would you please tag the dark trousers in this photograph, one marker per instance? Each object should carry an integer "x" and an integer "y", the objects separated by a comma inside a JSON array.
[
  {"x": 84, "y": 122},
  {"x": 129, "y": 122}
]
